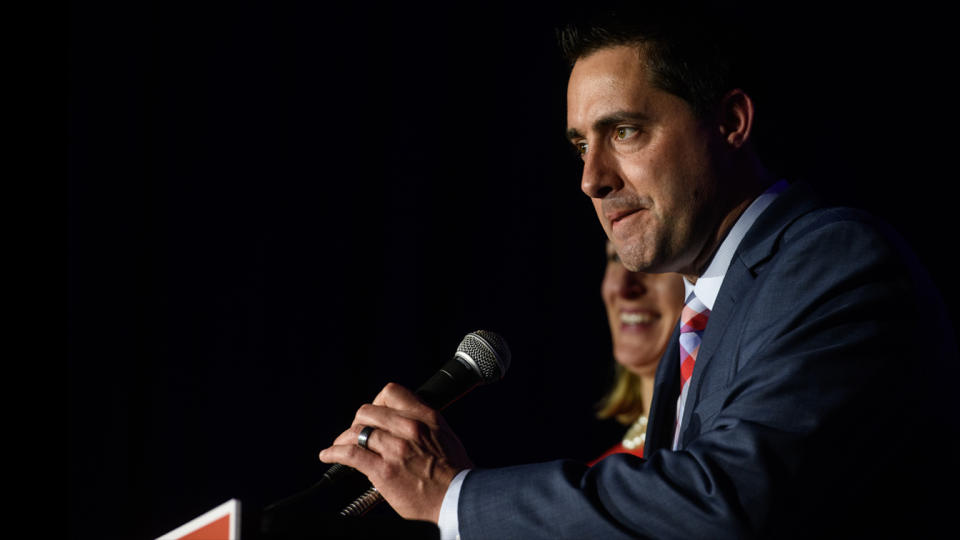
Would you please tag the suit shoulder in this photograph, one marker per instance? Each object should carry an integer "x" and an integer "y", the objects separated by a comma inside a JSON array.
[
  {"x": 846, "y": 236},
  {"x": 837, "y": 220},
  {"x": 844, "y": 256}
]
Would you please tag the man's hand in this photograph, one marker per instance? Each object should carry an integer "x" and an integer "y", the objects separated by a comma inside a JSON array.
[{"x": 411, "y": 456}]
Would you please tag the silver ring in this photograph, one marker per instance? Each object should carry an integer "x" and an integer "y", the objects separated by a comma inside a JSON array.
[{"x": 364, "y": 436}]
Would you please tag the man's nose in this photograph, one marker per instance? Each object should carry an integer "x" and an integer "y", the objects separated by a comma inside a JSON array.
[{"x": 600, "y": 176}]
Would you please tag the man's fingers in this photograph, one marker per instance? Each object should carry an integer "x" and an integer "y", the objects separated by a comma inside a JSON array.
[
  {"x": 400, "y": 423},
  {"x": 382, "y": 447},
  {"x": 350, "y": 436},
  {"x": 350, "y": 455},
  {"x": 394, "y": 396},
  {"x": 380, "y": 439}
]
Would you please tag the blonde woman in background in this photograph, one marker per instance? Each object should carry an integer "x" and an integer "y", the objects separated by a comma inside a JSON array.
[{"x": 643, "y": 310}]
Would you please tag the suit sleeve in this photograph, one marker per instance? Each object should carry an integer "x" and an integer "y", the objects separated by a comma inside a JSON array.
[{"x": 812, "y": 401}]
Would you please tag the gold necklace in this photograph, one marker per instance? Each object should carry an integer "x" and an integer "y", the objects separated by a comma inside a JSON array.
[{"x": 637, "y": 434}]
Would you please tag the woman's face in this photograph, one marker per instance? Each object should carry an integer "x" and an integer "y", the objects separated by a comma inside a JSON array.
[{"x": 643, "y": 310}]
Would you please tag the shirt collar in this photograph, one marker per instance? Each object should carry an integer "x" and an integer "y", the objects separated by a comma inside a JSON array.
[{"x": 708, "y": 284}]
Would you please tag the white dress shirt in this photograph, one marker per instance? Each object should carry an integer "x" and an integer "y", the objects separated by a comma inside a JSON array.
[{"x": 706, "y": 288}]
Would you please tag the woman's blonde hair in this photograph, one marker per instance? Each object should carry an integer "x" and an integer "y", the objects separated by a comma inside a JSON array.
[{"x": 624, "y": 401}]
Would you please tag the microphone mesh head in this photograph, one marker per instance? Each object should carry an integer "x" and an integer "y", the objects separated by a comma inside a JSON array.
[{"x": 488, "y": 352}]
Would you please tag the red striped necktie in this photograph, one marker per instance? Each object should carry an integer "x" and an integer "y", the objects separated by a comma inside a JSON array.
[{"x": 693, "y": 320}]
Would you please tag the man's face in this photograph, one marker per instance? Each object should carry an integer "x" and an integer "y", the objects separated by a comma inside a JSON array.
[{"x": 648, "y": 164}]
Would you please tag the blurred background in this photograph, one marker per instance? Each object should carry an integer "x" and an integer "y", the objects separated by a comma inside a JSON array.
[{"x": 276, "y": 207}]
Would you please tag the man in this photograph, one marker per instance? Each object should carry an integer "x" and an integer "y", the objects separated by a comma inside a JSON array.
[{"x": 807, "y": 394}]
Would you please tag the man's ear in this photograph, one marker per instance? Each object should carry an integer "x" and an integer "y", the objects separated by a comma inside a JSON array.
[{"x": 735, "y": 117}]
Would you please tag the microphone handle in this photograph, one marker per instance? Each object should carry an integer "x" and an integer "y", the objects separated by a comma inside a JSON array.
[
  {"x": 336, "y": 474},
  {"x": 370, "y": 498},
  {"x": 448, "y": 384}
]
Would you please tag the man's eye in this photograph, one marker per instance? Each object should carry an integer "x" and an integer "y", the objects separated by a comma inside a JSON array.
[
  {"x": 581, "y": 148},
  {"x": 625, "y": 133}
]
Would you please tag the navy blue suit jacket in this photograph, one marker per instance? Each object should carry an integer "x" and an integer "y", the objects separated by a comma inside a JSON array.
[{"x": 819, "y": 405}]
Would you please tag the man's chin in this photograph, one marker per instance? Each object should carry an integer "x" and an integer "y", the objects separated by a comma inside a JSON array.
[
  {"x": 644, "y": 264},
  {"x": 632, "y": 257}
]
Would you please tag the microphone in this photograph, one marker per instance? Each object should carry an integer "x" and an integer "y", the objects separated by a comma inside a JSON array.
[{"x": 482, "y": 357}]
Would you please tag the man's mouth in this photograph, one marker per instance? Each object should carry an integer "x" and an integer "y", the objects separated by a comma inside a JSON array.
[{"x": 619, "y": 216}]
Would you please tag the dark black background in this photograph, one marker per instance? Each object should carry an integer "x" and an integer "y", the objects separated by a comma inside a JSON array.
[{"x": 275, "y": 208}]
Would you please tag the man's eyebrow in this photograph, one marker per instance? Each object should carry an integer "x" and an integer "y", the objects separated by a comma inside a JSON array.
[
  {"x": 574, "y": 134},
  {"x": 614, "y": 118}
]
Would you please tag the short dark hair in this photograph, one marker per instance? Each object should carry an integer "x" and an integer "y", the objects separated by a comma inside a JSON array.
[{"x": 694, "y": 50}]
